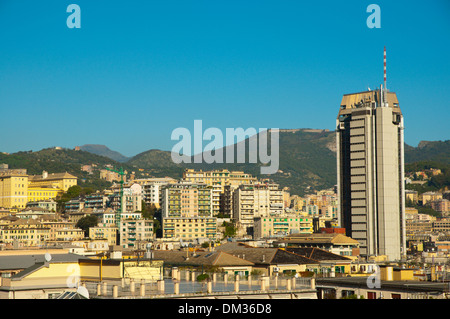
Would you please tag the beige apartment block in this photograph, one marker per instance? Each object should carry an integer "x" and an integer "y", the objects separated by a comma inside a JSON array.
[
  {"x": 256, "y": 200},
  {"x": 218, "y": 180},
  {"x": 104, "y": 232},
  {"x": 190, "y": 228},
  {"x": 135, "y": 233},
  {"x": 370, "y": 165}
]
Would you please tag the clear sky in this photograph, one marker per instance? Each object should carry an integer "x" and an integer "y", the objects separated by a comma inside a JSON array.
[{"x": 136, "y": 70}]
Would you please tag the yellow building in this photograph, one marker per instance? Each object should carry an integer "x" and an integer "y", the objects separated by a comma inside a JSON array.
[
  {"x": 68, "y": 234},
  {"x": 25, "y": 232},
  {"x": 190, "y": 228},
  {"x": 276, "y": 225},
  {"x": 36, "y": 194},
  {"x": 429, "y": 197},
  {"x": 62, "y": 181},
  {"x": 13, "y": 188},
  {"x": 104, "y": 232},
  {"x": 17, "y": 187}
]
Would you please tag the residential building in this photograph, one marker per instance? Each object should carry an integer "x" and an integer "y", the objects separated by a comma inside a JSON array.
[
  {"x": 429, "y": 197},
  {"x": 110, "y": 233},
  {"x": 441, "y": 226},
  {"x": 97, "y": 201},
  {"x": 135, "y": 233},
  {"x": 13, "y": 188},
  {"x": 257, "y": 200},
  {"x": 370, "y": 166},
  {"x": 276, "y": 226},
  {"x": 151, "y": 189},
  {"x": 128, "y": 203},
  {"x": 49, "y": 204},
  {"x": 74, "y": 205},
  {"x": 218, "y": 180},
  {"x": 335, "y": 243},
  {"x": 68, "y": 234},
  {"x": 187, "y": 211},
  {"x": 111, "y": 176},
  {"x": 190, "y": 229},
  {"x": 411, "y": 196},
  {"x": 25, "y": 233},
  {"x": 36, "y": 194},
  {"x": 441, "y": 205}
]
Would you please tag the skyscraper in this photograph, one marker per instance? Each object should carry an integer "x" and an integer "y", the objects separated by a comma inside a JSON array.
[{"x": 370, "y": 167}]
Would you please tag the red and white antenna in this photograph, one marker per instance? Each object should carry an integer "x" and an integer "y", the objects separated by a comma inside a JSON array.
[{"x": 384, "y": 68}]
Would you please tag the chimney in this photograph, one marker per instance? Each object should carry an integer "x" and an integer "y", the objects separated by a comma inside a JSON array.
[{"x": 44, "y": 174}]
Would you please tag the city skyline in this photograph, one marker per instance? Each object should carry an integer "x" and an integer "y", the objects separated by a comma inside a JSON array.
[{"x": 132, "y": 74}]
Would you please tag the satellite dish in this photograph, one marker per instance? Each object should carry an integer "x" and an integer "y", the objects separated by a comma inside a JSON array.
[
  {"x": 47, "y": 257},
  {"x": 82, "y": 291}
]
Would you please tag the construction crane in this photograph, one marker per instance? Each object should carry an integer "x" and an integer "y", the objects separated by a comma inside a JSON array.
[{"x": 121, "y": 174}]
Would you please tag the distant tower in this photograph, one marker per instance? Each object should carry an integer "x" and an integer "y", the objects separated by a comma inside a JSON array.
[{"x": 370, "y": 167}]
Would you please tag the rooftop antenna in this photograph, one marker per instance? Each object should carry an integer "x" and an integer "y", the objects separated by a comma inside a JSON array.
[
  {"x": 384, "y": 87},
  {"x": 384, "y": 60}
]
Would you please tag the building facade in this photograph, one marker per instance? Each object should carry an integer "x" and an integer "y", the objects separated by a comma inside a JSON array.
[
  {"x": 13, "y": 188},
  {"x": 370, "y": 166},
  {"x": 187, "y": 211},
  {"x": 257, "y": 200}
]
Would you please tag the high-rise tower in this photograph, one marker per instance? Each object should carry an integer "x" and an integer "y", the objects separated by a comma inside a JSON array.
[{"x": 370, "y": 167}]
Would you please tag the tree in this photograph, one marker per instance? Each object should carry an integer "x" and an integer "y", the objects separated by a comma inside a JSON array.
[
  {"x": 87, "y": 222},
  {"x": 230, "y": 229}
]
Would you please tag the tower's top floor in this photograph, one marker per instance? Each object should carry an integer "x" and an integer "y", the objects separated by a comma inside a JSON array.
[{"x": 367, "y": 99}]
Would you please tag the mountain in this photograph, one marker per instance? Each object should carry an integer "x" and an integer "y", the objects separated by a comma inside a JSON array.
[
  {"x": 436, "y": 151},
  {"x": 104, "y": 151}
]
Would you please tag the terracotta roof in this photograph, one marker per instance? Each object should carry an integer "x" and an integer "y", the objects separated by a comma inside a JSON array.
[
  {"x": 317, "y": 254},
  {"x": 319, "y": 239},
  {"x": 216, "y": 258},
  {"x": 264, "y": 256}
]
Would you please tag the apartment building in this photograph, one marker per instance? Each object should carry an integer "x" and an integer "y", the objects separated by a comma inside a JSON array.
[
  {"x": 441, "y": 205},
  {"x": 429, "y": 197},
  {"x": 110, "y": 233},
  {"x": 411, "y": 195},
  {"x": 257, "y": 200},
  {"x": 281, "y": 225},
  {"x": 151, "y": 189},
  {"x": 187, "y": 211},
  {"x": 13, "y": 187},
  {"x": 442, "y": 226},
  {"x": 25, "y": 232},
  {"x": 218, "y": 180},
  {"x": 48, "y": 204},
  {"x": 135, "y": 233},
  {"x": 36, "y": 194},
  {"x": 190, "y": 228},
  {"x": 68, "y": 234},
  {"x": 130, "y": 201},
  {"x": 96, "y": 201}
]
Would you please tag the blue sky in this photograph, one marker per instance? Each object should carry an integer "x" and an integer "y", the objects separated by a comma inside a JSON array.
[{"x": 137, "y": 70}]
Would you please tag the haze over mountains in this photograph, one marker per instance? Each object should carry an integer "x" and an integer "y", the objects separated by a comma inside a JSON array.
[{"x": 307, "y": 160}]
